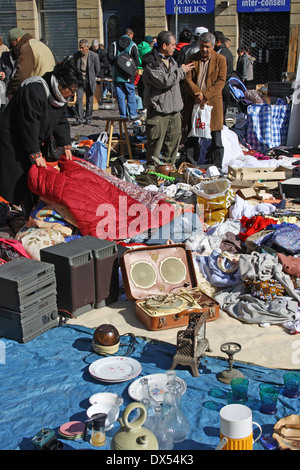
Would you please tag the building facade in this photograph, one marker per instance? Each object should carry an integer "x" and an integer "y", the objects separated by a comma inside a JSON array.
[{"x": 269, "y": 27}]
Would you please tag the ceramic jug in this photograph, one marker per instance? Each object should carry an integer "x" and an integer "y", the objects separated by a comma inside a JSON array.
[{"x": 132, "y": 435}]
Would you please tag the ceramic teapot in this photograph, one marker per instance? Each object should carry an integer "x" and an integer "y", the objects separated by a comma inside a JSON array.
[
  {"x": 131, "y": 435},
  {"x": 165, "y": 169}
]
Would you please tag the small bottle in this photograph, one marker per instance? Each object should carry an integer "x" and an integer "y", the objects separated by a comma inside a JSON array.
[
  {"x": 98, "y": 436},
  {"x": 149, "y": 421},
  {"x": 146, "y": 392}
]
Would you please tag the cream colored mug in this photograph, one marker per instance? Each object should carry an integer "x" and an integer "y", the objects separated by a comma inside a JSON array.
[{"x": 236, "y": 428}]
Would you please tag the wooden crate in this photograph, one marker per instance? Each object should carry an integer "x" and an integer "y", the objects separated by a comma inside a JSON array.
[{"x": 255, "y": 174}]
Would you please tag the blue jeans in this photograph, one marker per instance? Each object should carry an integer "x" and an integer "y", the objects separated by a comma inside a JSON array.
[{"x": 126, "y": 99}]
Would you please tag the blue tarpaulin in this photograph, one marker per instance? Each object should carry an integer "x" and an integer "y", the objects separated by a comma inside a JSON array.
[{"x": 46, "y": 383}]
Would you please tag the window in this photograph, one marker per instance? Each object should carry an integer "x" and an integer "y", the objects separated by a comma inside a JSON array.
[
  {"x": 8, "y": 18},
  {"x": 59, "y": 26}
]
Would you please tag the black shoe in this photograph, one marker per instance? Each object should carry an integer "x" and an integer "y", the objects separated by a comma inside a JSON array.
[
  {"x": 77, "y": 122},
  {"x": 88, "y": 121}
]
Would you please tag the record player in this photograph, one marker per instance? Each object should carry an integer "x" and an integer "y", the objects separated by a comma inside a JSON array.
[{"x": 162, "y": 281}]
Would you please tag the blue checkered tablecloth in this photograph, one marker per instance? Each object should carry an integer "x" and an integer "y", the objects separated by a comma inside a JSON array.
[{"x": 267, "y": 125}]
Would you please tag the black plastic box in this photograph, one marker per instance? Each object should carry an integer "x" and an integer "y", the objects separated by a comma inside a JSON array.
[
  {"x": 106, "y": 264},
  {"x": 75, "y": 279}
]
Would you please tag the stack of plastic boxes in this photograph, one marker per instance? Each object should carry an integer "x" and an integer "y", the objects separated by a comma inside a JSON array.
[{"x": 27, "y": 299}]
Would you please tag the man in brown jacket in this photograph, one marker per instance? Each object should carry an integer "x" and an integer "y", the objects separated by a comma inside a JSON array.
[
  {"x": 34, "y": 58},
  {"x": 204, "y": 84}
]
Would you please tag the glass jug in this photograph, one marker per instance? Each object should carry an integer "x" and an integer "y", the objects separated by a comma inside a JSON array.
[
  {"x": 174, "y": 419},
  {"x": 163, "y": 436}
]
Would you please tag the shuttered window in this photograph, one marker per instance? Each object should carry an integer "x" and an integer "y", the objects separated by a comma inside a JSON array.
[
  {"x": 59, "y": 26},
  {"x": 8, "y": 18}
]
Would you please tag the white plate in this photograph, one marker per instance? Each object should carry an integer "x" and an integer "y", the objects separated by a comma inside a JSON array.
[
  {"x": 157, "y": 386},
  {"x": 110, "y": 409},
  {"x": 107, "y": 397},
  {"x": 115, "y": 369}
]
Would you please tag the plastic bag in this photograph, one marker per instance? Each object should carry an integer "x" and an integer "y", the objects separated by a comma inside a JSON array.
[
  {"x": 200, "y": 121},
  {"x": 97, "y": 154},
  {"x": 214, "y": 199}
]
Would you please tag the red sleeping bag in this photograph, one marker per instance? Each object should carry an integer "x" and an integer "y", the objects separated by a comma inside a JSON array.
[{"x": 99, "y": 208}]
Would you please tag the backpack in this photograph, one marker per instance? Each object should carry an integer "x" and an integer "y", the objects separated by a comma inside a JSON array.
[{"x": 124, "y": 62}]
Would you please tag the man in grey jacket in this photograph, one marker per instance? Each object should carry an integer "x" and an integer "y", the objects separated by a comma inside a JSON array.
[
  {"x": 162, "y": 97},
  {"x": 87, "y": 62}
]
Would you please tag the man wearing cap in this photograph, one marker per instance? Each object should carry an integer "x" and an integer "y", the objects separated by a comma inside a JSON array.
[
  {"x": 34, "y": 58},
  {"x": 86, "y": 62},
  {"x": 192, "y": 48}
]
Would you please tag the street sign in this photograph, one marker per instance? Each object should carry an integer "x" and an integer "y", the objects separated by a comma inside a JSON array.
[
  {"x": 189, "y": 7},
  {"x": 250, "y": 6}
]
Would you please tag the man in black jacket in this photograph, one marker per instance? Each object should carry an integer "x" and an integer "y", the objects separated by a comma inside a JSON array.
[{"x": 221, "y": 48}]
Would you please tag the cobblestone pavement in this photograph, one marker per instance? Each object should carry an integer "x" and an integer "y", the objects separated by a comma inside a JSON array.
[{"x": 97, "y": 125}]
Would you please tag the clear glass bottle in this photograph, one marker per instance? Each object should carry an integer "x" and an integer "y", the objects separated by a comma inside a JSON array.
[
  {"x": 168, "y": 399},
  {"x": 146, "y": 392},
  {"x": 174, "y": 418},
  {"x": 163, "y": 436},
  {"x": 150, "y": 419}
]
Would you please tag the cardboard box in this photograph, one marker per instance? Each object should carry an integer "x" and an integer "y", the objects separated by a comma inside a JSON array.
[
  {"x": 254, "y": 174},
  {"x": 248, "y": 193}
]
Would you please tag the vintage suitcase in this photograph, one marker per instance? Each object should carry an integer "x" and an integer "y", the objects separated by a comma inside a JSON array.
[{"x": 162, "y": 281}]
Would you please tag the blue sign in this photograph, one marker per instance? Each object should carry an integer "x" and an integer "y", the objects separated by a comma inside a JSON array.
[
  {"x": 190, "y": 7},
  {"x": 250, "y": 6}
]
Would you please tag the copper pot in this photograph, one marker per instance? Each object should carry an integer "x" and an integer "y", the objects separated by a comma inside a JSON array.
[{"x": 165, "y": 169}]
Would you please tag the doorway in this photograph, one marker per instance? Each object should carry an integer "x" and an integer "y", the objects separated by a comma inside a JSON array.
[{"x": 267, "y": 36}]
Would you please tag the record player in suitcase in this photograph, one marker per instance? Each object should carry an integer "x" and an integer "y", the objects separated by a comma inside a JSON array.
[{"x": 162, "y": 281}]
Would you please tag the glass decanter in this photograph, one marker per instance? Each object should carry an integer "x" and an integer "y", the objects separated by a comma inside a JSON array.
[
  {"x": 150, "y": 419},
  {"x": 174, "y": 419},
  {"x": 146, "y": 392},
  {"x": 171, "y": 382},
  {"x": 163, "y": 436}
]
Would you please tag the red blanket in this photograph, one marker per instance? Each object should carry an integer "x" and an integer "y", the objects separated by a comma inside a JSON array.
[{"x": 99, "y": 208}]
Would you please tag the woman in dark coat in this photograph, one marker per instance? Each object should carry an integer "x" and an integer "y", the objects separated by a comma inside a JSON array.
[{"x": 35, "y": 116}]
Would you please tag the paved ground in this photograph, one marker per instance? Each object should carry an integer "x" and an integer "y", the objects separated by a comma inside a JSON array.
[{"x": 98, "y": 123}]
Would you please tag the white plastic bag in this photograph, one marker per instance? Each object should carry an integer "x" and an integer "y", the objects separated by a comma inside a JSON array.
[{"x": 200, "y": 121}]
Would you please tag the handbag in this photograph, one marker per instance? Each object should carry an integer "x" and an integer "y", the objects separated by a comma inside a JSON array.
[
  {"x": 97, "y": 154},
  {"x": 200, "y": 121}
]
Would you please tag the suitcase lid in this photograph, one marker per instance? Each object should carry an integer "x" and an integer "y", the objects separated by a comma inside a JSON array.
[{"x": 158, "y": 269}]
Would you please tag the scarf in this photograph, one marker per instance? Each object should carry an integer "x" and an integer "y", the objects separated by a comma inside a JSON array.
[{"x": 57, "y": 100}]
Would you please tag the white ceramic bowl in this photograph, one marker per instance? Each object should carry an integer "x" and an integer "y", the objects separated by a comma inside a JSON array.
[
  {"x": 109, "y": 408},
  {"x": 106, "y": 396}
]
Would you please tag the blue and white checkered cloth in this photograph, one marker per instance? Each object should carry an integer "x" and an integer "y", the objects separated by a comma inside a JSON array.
[{"x": 267, "y": 125}]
